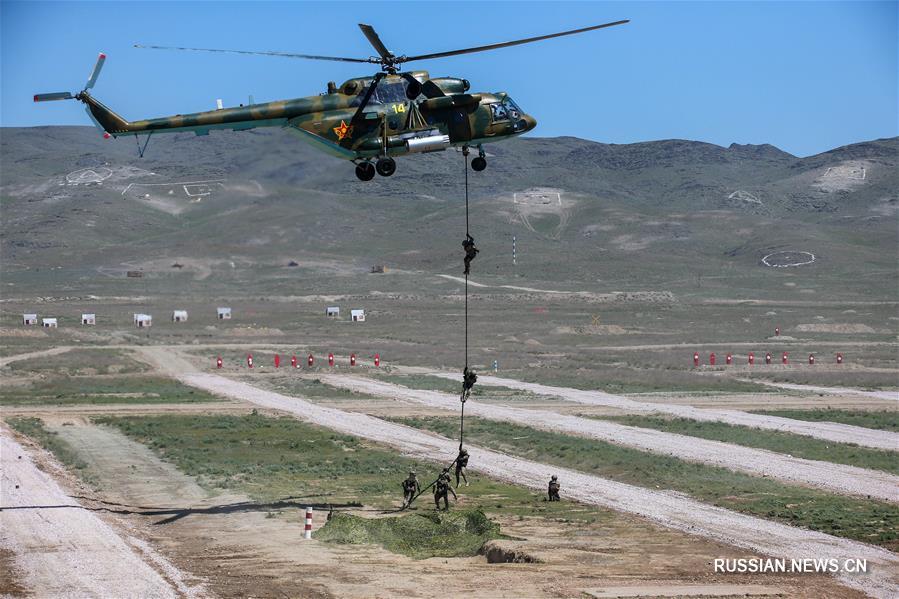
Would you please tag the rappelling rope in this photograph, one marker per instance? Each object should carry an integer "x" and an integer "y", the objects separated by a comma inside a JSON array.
[
  {"x": 467, "y": 234},
  {"x": 462, "y": 415}
]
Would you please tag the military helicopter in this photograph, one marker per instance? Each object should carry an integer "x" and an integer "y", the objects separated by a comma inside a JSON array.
[{"x": 366, "y": 119}]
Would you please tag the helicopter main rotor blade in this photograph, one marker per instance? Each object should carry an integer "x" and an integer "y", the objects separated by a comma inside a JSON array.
[
  {"x": 260, "y": 53},
  {"x": 375, "y": 41},
  {"x": 512, "y": 43}
]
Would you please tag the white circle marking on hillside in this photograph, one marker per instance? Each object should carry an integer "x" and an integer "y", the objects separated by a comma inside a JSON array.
[{"x": 767, "y": 259}]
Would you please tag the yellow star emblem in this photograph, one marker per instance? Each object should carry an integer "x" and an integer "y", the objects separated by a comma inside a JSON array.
[{"x": 343, "y": 130}]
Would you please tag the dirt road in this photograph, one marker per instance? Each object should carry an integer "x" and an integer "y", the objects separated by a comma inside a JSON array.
[
  {"x": 35, "y": 354},
  {"x": 838, "y": 478},
  {"x": 829, "y": 431},
  {"x": 669, "y": 509},
  {"x": 64, "y": 550}
]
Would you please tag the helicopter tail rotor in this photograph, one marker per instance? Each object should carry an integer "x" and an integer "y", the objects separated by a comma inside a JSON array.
[{"x": 91, "y": 80}]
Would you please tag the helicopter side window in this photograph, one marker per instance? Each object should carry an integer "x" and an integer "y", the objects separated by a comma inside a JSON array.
[{"x": 499, "y": 112}]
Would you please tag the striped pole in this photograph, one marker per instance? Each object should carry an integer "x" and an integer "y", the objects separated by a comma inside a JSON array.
[
  {"x": 308, "y": 532},
  {"x": 514, "y": 256}
]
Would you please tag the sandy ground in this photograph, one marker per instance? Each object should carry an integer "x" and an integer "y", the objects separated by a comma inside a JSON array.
[
  {"x": 830, "y": 431},
  {"x": 836, "y": 478},
  {"x": 64, "y": 550},
  {"x": 672, "y": 510},
  {"x": 247, "y": 548}
]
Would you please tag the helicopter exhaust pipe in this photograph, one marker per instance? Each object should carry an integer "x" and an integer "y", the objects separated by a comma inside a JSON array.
[{"x": 433, "y": 143}]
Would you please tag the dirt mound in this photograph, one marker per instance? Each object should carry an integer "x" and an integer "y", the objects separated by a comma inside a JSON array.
[
  {"x": 507, "y": 552},
  {"x": 834, "y": 328},
  {"x": 431, "y": 534}
]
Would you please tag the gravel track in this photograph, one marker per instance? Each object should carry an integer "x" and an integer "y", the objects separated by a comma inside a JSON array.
[
  {"x": 888, "y": 395},
  {"x": 668, "y": 509},
  {"x": 64, "y": 550},
  {"x": 829, "y": 431},
  {"x": 838, "y": 478}
]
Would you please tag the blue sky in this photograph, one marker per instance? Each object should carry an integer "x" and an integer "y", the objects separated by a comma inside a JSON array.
[{"x": 804, "y": 76}]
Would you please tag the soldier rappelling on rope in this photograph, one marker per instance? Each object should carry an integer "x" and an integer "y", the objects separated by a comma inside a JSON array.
[
  {"x": 461, "y": 464},
  {"x": 470, "y": 252},
  {"x": 469, "y": 378}
]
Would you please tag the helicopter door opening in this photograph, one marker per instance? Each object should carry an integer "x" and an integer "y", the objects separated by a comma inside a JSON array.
[{"x": 459, "y": 126}]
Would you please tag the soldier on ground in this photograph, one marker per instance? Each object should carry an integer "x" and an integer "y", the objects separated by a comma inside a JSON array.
[
  {"x": 469, "y": 378},
  {"x": 461, "y": 464},
  {"x": 411, "y": 487},
  {"x": 554, "y": 487},
  {"x": 441, "y": 488},
  {"x": 470, "y": 252}
]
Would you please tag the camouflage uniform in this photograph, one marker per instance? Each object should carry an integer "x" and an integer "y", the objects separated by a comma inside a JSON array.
[
  {"x": 461, "y": 464},
  {"x": 554, "y": 487},
  {"x": 469, "y": 378},
  {"x": 442, "y": 488},
  {"x": 411, "y": 487},
  {"x": 470, "y": 252}
]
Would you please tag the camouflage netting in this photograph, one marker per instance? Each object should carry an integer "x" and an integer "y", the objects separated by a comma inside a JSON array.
[{"x": 432, "y": 534}]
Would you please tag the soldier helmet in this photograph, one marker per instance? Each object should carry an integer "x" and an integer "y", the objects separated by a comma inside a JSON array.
[
  {"x": 412, "y": 473},
  {"x": 554, "y": 477}
]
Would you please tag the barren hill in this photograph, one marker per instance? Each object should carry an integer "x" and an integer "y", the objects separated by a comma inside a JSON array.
[{"x": 237, "y": 207}]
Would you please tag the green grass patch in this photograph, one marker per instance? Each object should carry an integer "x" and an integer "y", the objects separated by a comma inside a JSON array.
[
  {"x": 885, "y": 420},
  {"x": 863, "y": 520},
  {"x": 799, "y": 446},
  {"x": 859, "y": 379},
  {"x": 273, "y": 458},
  {"x": 34, "y": 429},
  {"x": 458, "y": 533},
  {"x": 630, "y": 378},
  {"x": 63, "y": 390}
]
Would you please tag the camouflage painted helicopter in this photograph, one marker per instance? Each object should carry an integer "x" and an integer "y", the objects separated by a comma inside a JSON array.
[{"x": 389, "y": 114}]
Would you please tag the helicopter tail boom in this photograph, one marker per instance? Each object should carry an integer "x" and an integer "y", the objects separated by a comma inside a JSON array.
[{"x": 103, "y": 116}]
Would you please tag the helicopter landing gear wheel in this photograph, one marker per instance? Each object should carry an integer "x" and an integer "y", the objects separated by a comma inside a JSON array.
[
  {"x": 386, "y": 166},
  {"x": 479, "y": 163},
  {"x": 365, "y": 171}
]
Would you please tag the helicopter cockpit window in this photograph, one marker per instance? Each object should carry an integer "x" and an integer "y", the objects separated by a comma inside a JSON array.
[
  {"x": 512, "y": 108},
  {"x": 385, "y": 93},
  {"x": 500, "y": 113}
]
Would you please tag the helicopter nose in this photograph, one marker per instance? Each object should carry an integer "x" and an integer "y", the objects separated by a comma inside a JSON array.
[{"x": 530, "y": 121}]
